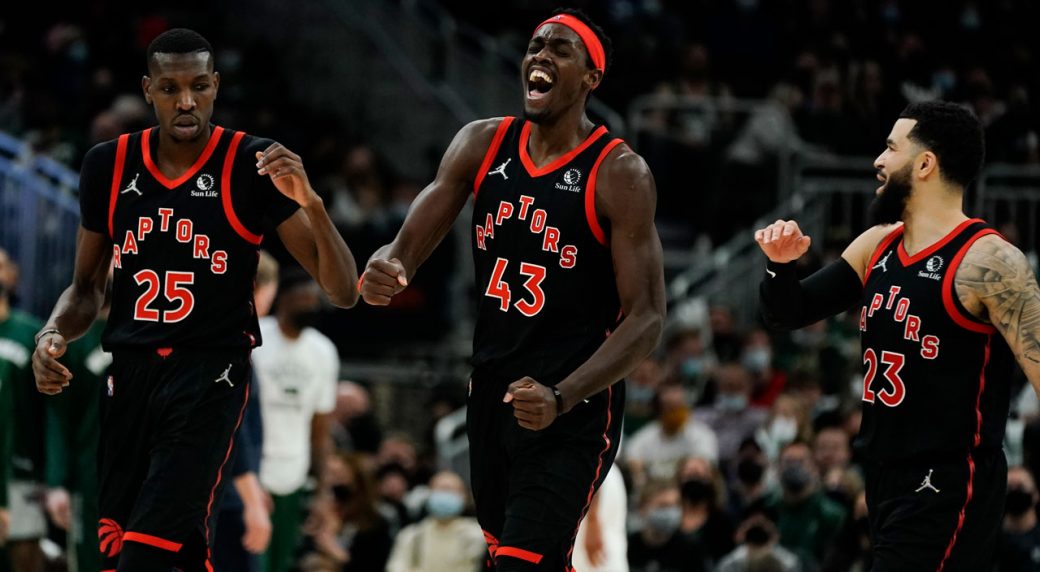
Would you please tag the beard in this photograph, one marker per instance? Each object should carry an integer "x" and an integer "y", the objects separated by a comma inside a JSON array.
[{"x": 890, "y": 206}]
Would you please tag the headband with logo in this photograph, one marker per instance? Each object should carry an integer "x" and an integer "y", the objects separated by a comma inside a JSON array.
[{"x": 588, "y": 37}]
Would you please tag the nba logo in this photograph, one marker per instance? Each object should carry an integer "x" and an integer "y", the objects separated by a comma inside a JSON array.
[{"x": 111, "y": 386}]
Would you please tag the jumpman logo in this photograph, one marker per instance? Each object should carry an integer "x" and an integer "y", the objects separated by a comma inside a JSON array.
[
  {"x": 883, "y": 263},
  {"x": 224, "y": 376},
  {"x": 927, "y": 483},
  {"x": 501, "y": 169},
  {"x": 132, "y": 186}
]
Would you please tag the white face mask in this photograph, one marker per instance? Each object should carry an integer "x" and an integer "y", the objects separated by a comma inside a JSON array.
[{"x": 783, "y": 430}]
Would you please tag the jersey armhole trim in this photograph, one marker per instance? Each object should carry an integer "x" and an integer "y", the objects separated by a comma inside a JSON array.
[
  {"x": 953, "y": 307},
  {"x": 881, "y": 247},
  {"x": 590, "y": 194},
  {"x": 489, "y": 156},
  {"x": 225, "y": 193},
  {"x": 117, "y": 178}
]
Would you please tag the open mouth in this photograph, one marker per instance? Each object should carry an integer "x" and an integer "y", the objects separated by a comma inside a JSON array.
[{"x": 539, "y": 83}]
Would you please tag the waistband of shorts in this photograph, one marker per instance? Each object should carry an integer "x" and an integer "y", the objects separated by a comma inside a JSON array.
[{"x": 137, "y": 352}]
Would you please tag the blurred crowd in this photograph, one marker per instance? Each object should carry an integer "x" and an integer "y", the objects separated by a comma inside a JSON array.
[{"x": 737, "y": 451}]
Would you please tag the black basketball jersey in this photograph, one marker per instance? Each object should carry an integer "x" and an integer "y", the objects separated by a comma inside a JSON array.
[
  {"x": 936, "y": 379},
  {"x": 184, "y": 261},
  {"x": 544, "y": 272}
]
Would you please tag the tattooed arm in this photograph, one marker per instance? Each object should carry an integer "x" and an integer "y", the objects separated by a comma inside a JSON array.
[{"x": 996, "y": 283}]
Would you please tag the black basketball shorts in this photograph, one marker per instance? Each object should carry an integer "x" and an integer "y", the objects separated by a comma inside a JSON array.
[
  {"x": 943, "y": 515},
  {"x": 168, "y": 419},
  {"x": 532, "y": 488}
]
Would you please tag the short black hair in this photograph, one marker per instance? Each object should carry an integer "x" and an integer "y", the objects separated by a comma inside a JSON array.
[
  {"x": 178, "y": 41},
  {"x": 608, "y": 46},
  {"x": 953, "y": 133}
]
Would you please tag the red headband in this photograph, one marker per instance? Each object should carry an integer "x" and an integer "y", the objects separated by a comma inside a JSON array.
[{"x": 592, "y": 43}]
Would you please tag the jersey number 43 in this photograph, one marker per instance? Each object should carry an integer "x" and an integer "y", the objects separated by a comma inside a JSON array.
[{"x": 499, "y": 288}]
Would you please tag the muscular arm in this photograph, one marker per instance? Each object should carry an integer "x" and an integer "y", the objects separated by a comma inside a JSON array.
[
  {"x": 432, "y": 213},
  {"x": 78, "y": 306},
  {"x": 627, "y": 198},
  {"x": 996, "y": 283},
  {"x": 312, "y": 239}
]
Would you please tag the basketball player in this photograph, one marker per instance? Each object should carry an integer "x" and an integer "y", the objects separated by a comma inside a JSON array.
[
  {"x": 943, "y": 299},
  {"x": 566, "y": 253},
  {"x": 178, "y": 210}
]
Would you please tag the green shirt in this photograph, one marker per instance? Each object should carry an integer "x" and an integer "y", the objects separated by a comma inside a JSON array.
[
  {"x": 27, "y": 413},
  {"x": 808, "y": 528}
]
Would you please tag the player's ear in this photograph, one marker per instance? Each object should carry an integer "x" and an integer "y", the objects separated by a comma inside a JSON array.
[
  {"x": 927, "y": 163},
  {"x": 593, "y": 78},
  {"x": 216, "y": 84},
  {"x": 146, "y": 82}
]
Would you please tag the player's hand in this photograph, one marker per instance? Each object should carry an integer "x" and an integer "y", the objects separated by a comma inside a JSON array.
[
  {"x": 258, "y": 528},
  {"x": 59, "y": 508},
  {"x": 533, "y": 403},
  {"x": 382, "y": 280},
  {"x": 286, "y": 171},
  {"x": 51, "y": 376},
  {"x": 5, "y": 525},
  {"x": 782, "y": 241}
]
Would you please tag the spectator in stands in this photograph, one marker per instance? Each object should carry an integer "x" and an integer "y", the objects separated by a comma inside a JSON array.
[
  {"x": 346, "y": 531},
  {"x": 656, "y": 450},
  {"x": 703, "y": 493},
  {"x": 807, "y": 519},
  {"x": 757, "y": 357},
  {"x": 833, "y": 455},
  {"x": 759, "y": 549},
  {"x": 392, "y": 487},
  {"x": 751, "y": 480},
  {"x": 297, "y": 368},
  {"x": 732, "y": 417},
  {"x": 642, "y": 386},
  {"x": 444, "y": 541},
  {"x": 354, "y": 426},
  {"x": 787, "y": 421},
  {"x": 1019, "y": 545},
  {"x": 851, "y": 548},
  {"x": 688, "y": 357},
  {"x": 659, "y": 546}
]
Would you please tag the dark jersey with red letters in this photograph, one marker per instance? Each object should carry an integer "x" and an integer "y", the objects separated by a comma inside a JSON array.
[
  {"x": 544, "y": 271},
  {"x": 184, "y": 251},
  {"x": 936, "y": 379}
]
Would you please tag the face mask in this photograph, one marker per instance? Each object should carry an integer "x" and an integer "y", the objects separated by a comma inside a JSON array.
[
  {"x": 697, "y": 490},
  {"x": 783, "y": 430},
  {"x": 673, "y": 420},
  {"x": 305, "y": 319},
  {"x": 692, "y": 367},
  {"x": 757, "y": 535},
  {"x": 757, "y": 359},
  {"x": 1018, "y": 502},
  {"x": 444, "y": 504},
  {"x": 750, "y": 471},
  {"x": 664, "y": 521},
  {"x": 343, "y": 493},
  {"x": 795, "y": 479},
  {"x": 732, "y": 402}
]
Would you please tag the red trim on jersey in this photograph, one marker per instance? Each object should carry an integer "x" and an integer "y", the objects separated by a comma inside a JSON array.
[
  {"x": 590, "y": 194},
  {"x": 599, "y": 467},
  {"x": 496, "y": 143},
  {"x": 117, "y": 178},
  {"x": 535, "y": 171},
  {"x": 967, "y": 322},
  {"x": 881, "y": 247},
  {"x": 907, "y": 260},
  {"x": 225, "y": 193},
  {"x": 971, "y": 462},
  {"x": 146, "y": 150},
  {"x": 492, "y": 542},
  {"x": 150, "y": 540},
  {"x": 526, "y": 555},
  {"x": 220, "y": 471}
]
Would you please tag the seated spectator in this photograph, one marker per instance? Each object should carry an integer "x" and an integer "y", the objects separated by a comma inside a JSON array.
[
  {"x": 656, "y": 450},
  {"x": 346, "y": 531},
  {"x": 832, "y": 454},
  {"x": 703, "y": 518},
  {"x": 757, "y": 357},
  {"x": 851, "y": 548},
  {"x": 787, "y": 422},
  {"x": 759, "y": 549},
  {"x": 354, "y": 426},
  {"x": 444, "y": 541},
  {"x": 807, "y": 519},
  {"x": 639, "y": 394},
  {"x": 731, "y": 417},
  {"x": 750, "y": 485},
  {"x": 660, "y": 546},
  {"x": 1019, "y": 544}
]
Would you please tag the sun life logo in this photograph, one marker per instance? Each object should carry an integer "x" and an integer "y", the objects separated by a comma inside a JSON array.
[
  {"x": 572, "y": 176},
  {"x": 204, "y": 182},
  {"x": 934, "y": 264}
]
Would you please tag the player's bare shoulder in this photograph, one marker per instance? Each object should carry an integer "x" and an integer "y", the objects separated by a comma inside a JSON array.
[
  {"x": 996, "y": 283},
  {"x": 859, "y": 252},
  {"x": 624, "y": 181}
]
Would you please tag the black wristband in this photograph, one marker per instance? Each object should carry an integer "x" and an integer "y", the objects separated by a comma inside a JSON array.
[
  {"x": 776, "y": 268},
  {"x": 559, "y": 401},
  {"x": 39, "y": 335}
]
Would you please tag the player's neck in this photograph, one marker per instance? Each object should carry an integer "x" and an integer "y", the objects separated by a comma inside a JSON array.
[
  {"x": 176, "y": 157},
  {"x": 929, "y": 217},
  {"x": 549, "y": 140}
]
